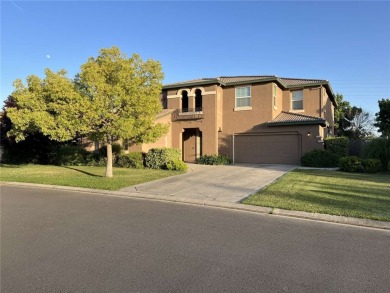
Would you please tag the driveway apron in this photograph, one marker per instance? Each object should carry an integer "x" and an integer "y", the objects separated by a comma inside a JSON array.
[{"x": 231, "y": 183}]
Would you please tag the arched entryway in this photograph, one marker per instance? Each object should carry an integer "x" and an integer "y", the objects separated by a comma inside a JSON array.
[{"x": 192, "y": 144}]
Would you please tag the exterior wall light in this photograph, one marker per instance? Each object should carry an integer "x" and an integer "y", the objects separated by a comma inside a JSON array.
[{"x": 308, "y": 134}]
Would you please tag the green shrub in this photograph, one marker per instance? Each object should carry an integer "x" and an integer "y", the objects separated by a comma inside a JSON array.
[
  {"x": 351, "y": 164},
  {"x": 177, "y": 165},
  {"x": 371, "y": 165},
  {"x": 158, "y": 158},
  {"x": 337, "y": 145},
  {"x": 320, "y": 159},
  {"x": 378, "y": 148},
  {"x": 130, "y": 160},
  {"x": 214, "y": 160},
  {"x": 116, "y": 150},
  {"x": 95, "y": 159},
  {"x": 69, "y": 155}
]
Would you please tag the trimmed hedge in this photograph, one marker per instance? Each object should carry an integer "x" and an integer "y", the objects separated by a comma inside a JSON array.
[
  {"x": 351, "y": 164},
  {"x": 320, "y": 159},
  {"x": 69, "y": 155},
  {"x": 372, "y": 165},
  {"x": 116, "y": 150},
  {"x": 177, "y": 165},
  {"x": 158, "y": 158},
  {"x": 95, "y": 159},
  {"x": 379, "y": 148},
  {"x": 214, "y": 160},
  {"x": 337, "y": 145},
  {"x": 130, "y": 160}
]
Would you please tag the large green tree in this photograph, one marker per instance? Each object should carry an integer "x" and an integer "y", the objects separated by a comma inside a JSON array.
[
  {"x": 383, "y": 117},
  {"x": 51, "y": 106},
  {"x": 124, "y": 95},
  {"x": 113, "y": 98}
]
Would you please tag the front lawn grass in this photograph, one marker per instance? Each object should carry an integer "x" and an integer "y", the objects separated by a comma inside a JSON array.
[
  {"x": 329, "y": 192},
  {"x": 80, "y": 176}
]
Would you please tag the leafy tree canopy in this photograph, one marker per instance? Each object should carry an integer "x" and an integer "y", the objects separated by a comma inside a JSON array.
[
  {"x": 114, "y": 97},
  {"x": 383, "y": 117}
]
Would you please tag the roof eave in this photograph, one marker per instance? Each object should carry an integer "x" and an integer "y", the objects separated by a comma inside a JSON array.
[
  {"x": 323, "y": 123},
  {"x": 172, "y": 86}
]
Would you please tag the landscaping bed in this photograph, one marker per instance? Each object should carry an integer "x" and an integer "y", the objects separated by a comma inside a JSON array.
[
  {"x": 359, "y": 195},
  {"x": 81, "y": 176}
]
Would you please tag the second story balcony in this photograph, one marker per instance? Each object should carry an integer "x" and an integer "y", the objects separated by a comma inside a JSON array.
[{"x": 187, "y": 114}]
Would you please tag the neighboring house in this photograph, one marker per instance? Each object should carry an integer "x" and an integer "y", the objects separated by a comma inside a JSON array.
[{"x": 252, "y": 119}]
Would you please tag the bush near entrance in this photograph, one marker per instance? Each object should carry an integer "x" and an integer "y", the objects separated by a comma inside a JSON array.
[
  {"x": 214, "y": 160},
  {"x": 157, "y": 158}
]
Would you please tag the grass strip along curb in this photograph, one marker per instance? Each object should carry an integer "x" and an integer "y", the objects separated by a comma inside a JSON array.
[{"x": 216, "y": 204}]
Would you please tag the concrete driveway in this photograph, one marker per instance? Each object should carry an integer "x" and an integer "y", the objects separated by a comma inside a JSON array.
[{"x": 230, "y": 183}]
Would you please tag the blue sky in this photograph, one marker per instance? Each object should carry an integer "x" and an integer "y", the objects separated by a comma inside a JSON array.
[{"x": 347, "y": 43}]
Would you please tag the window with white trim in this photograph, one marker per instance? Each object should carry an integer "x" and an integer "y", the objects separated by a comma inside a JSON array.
[
  {"x": 243, "y": 96},
  {"x": 297, "y": 100},
  {"x": 274, "y": 95}
]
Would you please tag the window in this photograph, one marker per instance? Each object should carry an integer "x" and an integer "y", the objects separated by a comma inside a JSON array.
[
  {"x": 198, "y": 100},
  {"x": 184, "y": 101},
  {"x": 243, "y": 96},
  {"x": 275, "y": 95},
  {"x": 297, "y": 100}
]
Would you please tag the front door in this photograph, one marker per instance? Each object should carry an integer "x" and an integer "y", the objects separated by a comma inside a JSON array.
[{"x": 191, "y": 144}]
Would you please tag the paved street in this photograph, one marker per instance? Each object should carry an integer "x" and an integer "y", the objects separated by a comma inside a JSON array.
[
  {"x": 65, "y": 241},
  {"x": 229, "y": 183}
]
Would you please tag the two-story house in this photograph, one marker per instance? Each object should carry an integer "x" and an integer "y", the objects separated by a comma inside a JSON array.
[{"x": 252, "y": 119}]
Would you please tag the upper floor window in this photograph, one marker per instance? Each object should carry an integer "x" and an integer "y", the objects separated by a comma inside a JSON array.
[
  {"x": 184, "y": 101},
  {"x": 297, "y": 100},
  {"x": 274, "y": 97},
  {"x": 243, "y": 96},
  {"x": 198, "y": 100}
]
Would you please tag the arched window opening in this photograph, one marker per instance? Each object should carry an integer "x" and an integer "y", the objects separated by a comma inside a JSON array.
[
  {"x": 198, "y": 100},
  {"x": 184, "y": 101}
]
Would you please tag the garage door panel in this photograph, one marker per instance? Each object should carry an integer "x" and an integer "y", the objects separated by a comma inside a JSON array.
[{"x": 267, "y": 149}]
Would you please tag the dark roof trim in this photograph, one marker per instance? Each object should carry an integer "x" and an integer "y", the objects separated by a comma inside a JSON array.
[{"x": 321, "y": 122}]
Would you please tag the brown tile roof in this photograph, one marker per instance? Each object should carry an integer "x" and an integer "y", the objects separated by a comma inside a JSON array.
[
  {"x": 228, "y": 80},
  {"x": 288, "y": 118},
  {"x": 285, "y": 82}
]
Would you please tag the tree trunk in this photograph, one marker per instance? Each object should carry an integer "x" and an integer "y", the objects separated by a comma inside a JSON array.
[{"x": 109, "y": 161}]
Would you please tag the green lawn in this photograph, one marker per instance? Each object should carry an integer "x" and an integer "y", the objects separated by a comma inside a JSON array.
[
  {"x": 329, "y": 192},
  {"x": 80, "y": 176}
]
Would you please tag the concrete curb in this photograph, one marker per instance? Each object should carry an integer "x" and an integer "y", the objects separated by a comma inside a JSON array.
[{"x": 217, "y": 204}]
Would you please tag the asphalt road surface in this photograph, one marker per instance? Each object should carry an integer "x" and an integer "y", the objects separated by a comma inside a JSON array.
[{"x": 63, "y": 241}]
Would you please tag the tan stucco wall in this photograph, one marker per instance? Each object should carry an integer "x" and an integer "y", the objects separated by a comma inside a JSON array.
[
  {"x": 221, "y": 119},
  {"x": 242, "y": 121},
  {"x": 311, "y": 101},
  {"x": 164, "y": 141}
]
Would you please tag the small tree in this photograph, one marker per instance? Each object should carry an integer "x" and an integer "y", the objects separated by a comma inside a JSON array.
[
  {"x": 113, "y": 98},
  {"x": 383, "y": 117},
  {"x": 123, "y": 95}
]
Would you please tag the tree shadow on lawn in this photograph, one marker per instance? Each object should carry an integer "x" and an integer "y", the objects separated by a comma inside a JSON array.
[
  {"x": 370, "y": 177},
  {"x": 81, "y": 171}
]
